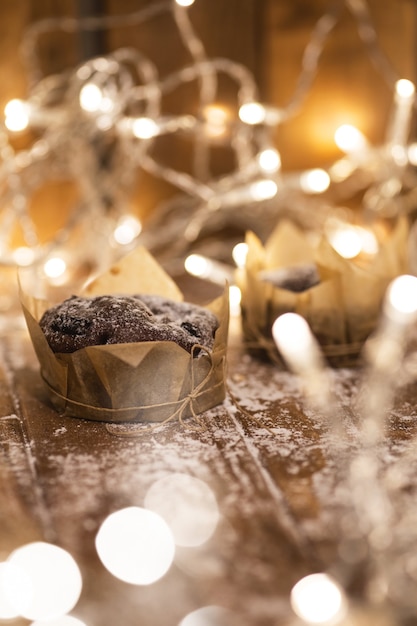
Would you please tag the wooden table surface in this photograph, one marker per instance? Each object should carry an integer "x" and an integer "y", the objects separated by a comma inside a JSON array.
[{"x": 265, "y": 457}]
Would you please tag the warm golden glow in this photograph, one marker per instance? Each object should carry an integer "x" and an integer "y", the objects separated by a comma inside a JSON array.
[
  {"x": 269, "y": 160},
  {"x": 91, "y": 98},
  {"x": 216, "y": 120},
  {"x": 239, "y": 254},
  {"x": 346, "y": 242},
  {"x": 350, "y": 139},
  {"x": 23, "y": 256},
  {"x": 263, "y": 190},
  {"x": 136, "y": 545},
  {"x": 55, "y": 267},
  {"x": 314, "y": 181},
  {"x": 44, "y": 583},
  {"x": 144, "y": 128},
  {"x": 206, "y": 269},
  {"x": 252, "y": 113},
  {"x": 292, "y": 336},
  {"x": 184, "y": 3},
  {"x": 198, "y": 265},
  {"x": 16, "y": 115},
  {"x": 412, "y": 153},
  {"x": 128, "y": 228},
  {"x": 235, "y": 297},
  {"x": 401, "y": 297},
  {"x": 318, "y": 599},
  {"x": 404, "y": 88}
]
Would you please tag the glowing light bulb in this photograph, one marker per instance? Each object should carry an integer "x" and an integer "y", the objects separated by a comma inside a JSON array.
[
  {"x": 314, "y": 181},
  {"x": 346, "y": 241},
  {"x": 350, "y": 139},
  {"x": 46, "y": 582},
  {"x": 294, "y": 339},
  {"x": 318, "y": 599},
  {"x": 252, "y": 113},
  {"x": 136, "y": 545},
  {"x": 188, "y": 506},
  {"x": 263, "y": 190},
  {"x": 23, "y": 256},
  {"x": 91, "y": 98},
  {"x": 17, "y": 115},
  {"x": 127, "y": 230},
  {"x": 404, "y": 88},
  {"x": 206, "y": 269},
  {"x": 349, "y": 240},
  {"x": 144, "y": 128},
  {"x": 184, "y": 3},
  {"x": 216, "y": 118},
  {"x": 256, "y": 113},
  {"x": 55, "y": 267},
  {"x": 398, "y": 130},
  {"x": 412, "y": 153},
  {"x": 198, "y": 265},
  {"x": 401, "y": 299},
  {"x": 269, "y": 160},
  {"x": 239, "y": 254},
  {"x": 235, "y": 298}
]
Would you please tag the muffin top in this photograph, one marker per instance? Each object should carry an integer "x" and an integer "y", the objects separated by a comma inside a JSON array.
[{"x": 78, "y": 322}]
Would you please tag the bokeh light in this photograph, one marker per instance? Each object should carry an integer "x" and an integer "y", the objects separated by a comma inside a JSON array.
[
  {"x": 128, "y": 228},
  {"x": 16, "y": 115},
  {"x": 136, "y": 545},
  {"x": 188, "y": 505},
  {"x": 315, "y": 181},
  {"x": 44, "y": 581},
  {"x": 318, "y": 599}
]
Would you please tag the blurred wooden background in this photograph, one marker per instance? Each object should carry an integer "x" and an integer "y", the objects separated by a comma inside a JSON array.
[{"x": 268, "y": 36}]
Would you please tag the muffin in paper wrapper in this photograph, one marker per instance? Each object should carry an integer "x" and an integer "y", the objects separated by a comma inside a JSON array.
[
  {"x": 342, "y": 308},
  {"x": 131, "y": 382}
]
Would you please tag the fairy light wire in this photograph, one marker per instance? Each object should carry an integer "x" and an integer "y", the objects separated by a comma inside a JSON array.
[{"x": 61, "y": 123}]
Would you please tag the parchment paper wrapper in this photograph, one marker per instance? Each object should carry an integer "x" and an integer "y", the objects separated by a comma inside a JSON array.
[
  {"x": 342, "y": 309},
  {"x": 143, "y": 381}
]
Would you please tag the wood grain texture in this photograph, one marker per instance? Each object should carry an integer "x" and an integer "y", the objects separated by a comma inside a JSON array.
[{"x": 262, "y": 452}]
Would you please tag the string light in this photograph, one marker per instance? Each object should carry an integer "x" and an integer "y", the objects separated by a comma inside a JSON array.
[
  {"x": 16, "y": 115},
  {"x": 105, "y": 90},
  {"x": 269, "y": 160},
  {"x": 314, "y": 181},
  {"x": 135, "y": 545},
  {"x": 239, "y": 254},
  {"x": 350, "y": 139},
  {"x": 43, "y": 582},
  {"x": 319, "y": 599},
  {"x": 55, "y": 267},
  {"x": 127, "y": 229},
  {"x": 207, "y": 269}
]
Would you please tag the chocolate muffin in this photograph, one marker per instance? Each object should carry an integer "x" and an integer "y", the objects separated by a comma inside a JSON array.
[
  {"x": 297, "y": 278},
  {"x": 80, "y": 322}
]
